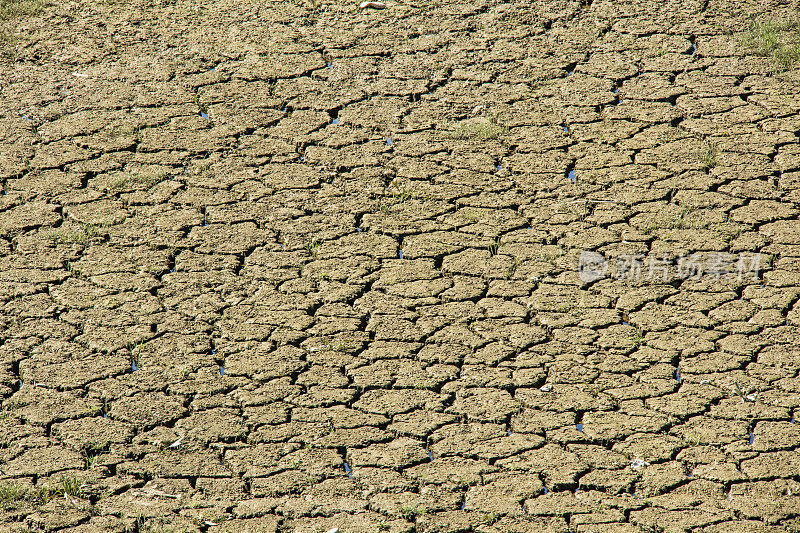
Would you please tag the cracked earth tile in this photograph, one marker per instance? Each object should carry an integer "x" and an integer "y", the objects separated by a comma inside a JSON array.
[
  {"x": 400, "y": 453},
  {"x": 503, "y": 493}
]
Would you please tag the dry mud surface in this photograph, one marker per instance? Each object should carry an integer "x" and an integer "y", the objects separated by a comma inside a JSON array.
[{"x": 282, "y": 267}]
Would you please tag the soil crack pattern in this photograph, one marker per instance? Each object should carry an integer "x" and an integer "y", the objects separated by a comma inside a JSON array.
[{"x": 409, "y": 266}]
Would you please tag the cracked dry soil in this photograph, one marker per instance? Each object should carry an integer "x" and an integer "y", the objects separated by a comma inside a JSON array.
[{"x": 286, "y": 267}]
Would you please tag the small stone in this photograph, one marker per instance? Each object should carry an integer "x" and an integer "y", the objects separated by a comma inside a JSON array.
[
  {"x": 372, "y": 5},
  {"x": 546, "y": 387},
  {"x": 334, "y": 530}
]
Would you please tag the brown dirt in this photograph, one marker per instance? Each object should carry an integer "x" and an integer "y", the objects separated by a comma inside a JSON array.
[{"x": 291, "y": 267}]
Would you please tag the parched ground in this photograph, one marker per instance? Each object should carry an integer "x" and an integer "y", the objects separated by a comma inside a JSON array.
[{"x": 283, "y": 267}]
